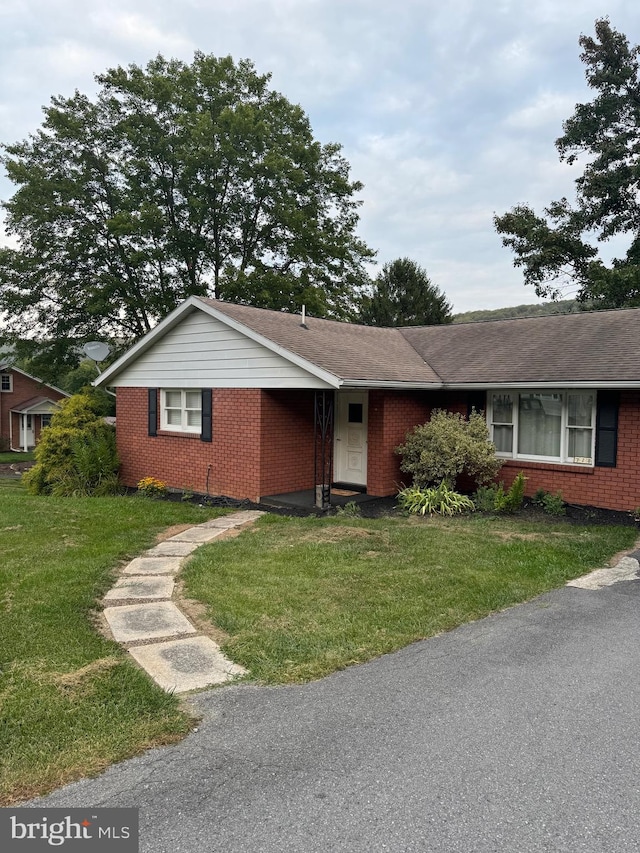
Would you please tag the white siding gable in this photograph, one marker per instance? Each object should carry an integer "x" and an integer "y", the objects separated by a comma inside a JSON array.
[{"x": 203, "y": 352}]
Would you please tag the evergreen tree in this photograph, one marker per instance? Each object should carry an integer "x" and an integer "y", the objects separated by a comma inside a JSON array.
[{"x": 403, "y": 295}]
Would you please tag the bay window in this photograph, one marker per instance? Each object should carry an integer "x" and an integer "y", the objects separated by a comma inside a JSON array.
[{"x": 547, "y": 426}]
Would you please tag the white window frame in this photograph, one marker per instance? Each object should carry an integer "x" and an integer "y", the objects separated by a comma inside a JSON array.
[
  {"x": 8, "y": 376},
  {"x": 184, "y": 425},
  {"x": 564, "y": 458}
]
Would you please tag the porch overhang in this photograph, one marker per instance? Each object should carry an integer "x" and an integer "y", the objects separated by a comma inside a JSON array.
[{"x": 36, "y": 406}]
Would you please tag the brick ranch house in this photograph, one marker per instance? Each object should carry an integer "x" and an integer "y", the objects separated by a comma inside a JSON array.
[
  {"x": 232, "y": 400},
  {"x": 26, "y": 406}
]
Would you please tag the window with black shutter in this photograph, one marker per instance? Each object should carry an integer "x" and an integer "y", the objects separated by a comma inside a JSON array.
[
  {"x": 476, "y": 400},
  {"x": 153, "y": 411},
  {"x": 207, "y": 416},
  {"x": 607, "y": 428}
]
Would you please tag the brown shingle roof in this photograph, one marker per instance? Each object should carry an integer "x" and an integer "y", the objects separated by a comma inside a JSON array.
[
  {"x": 598, "y": 346},
  {"x": 347, "y": 350}
]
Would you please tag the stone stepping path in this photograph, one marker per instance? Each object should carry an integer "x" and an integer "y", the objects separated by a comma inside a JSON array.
[
  {"x": 626, "y": 569},
  {"x": 141, "y": 614}
]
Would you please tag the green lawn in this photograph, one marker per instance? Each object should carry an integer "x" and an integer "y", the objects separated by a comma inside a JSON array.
[
  {"x": 300, "y": 598},
  {"x": 72, "y": 702},
  {"x": 9, "y": 456}
]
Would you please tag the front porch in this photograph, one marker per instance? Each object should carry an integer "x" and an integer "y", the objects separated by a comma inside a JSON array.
[{"x": 27, "y": 422}]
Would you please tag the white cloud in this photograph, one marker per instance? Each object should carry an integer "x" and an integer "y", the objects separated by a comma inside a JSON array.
[
  {"x": 545, "y": 109},
  {"x": 447, "y": 112},
  {"x": 141, "y": 32}
]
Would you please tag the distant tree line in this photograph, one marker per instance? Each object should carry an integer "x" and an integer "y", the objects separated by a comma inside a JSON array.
[{"x": 541, "y": 309}]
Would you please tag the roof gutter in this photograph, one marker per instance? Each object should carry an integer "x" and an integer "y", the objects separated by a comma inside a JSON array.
[
  {"x": 485, "y": 386},
  {"x": 555, "y": 383},
  {"x": 391, "y": 385}
]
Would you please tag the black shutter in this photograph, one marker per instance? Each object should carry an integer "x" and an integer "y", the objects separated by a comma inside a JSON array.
[
  {"x": 153, "y": 411},
  {"x": 607, "y": 428},
  {"x": 476, "y": 400},
  {"x": 207, "y": 416}
]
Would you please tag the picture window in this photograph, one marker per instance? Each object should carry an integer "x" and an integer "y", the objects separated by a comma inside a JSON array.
[{"x": 549, "y": 426}]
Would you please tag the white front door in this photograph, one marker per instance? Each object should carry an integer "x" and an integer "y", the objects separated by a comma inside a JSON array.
[
  {"x": 350, "y": 453},
  {"x": 27, "y": 437}
]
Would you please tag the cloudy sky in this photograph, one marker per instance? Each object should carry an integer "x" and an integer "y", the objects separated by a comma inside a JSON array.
[{"x": 447, "y": 111}]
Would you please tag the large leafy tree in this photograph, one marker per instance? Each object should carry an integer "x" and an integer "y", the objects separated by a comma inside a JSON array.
[
  {"x": 557, "y": 249},
  {"x": 176, "y": 179},
  {"x": 403, "y": 295}
]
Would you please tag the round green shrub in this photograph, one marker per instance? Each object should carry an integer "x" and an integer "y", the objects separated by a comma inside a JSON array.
[
  {"x": 76, "y": 454},
  {"x": 449, "y": 445}
]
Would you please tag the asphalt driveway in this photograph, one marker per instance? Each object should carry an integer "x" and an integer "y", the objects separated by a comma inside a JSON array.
[{"x": 516, "y": 733}]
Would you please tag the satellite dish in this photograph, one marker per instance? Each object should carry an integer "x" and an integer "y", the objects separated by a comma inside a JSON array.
[{"x": 96, "y": 350}]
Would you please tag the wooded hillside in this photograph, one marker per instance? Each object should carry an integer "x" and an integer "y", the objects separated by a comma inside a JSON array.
[{"x": 564, "y": 306}]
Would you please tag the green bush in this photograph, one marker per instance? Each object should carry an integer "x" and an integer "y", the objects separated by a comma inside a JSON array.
[
  {"x": 493, "y": 498},
  {"x": 76, "y": 454},
  {"x": 484, "y": 498},
  {"x": 438, "y": 500},
  {"x": 539, "y": 496},
  {"x": 513, "y": 498},
  {"x": 349, "y": 510},
  {"x": 449, "y": 445},
  {"x": 554, "y": 504},
  {"x": 551, "y": 504}
]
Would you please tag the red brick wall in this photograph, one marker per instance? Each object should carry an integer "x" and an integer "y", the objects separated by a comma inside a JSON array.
[
  {"x": 262, "y": 444},
  {"x": 287, "y": 441},
  {"x": 229, "y": 465},
  {"x": 610, "y": 488},
  {"x": 24, "y": 388},
  {"x": 391, "y": 415}
]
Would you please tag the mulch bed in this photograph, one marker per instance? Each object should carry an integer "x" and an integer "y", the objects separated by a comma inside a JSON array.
[
  {"x": 384, "y": 507},
  {"x": 380, "y": 507},
  {"x": 14, "y": 469}
]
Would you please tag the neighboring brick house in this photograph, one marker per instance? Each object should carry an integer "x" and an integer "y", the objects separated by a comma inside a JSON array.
[
  {"x": 232, "y": 400},
  {"x": 26, "y": 406}
]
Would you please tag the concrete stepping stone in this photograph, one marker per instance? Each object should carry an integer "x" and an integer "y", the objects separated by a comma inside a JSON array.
[
  {"x": 176, "y": 662},
  {"x": 141, "y": 587},
  {"x": 245, "y": 515},
  {"x": 131, "y": 623},
  {"x": 189, "y": 664},
  {"x": 223, "y": 523},
  {"x": 153, "y": 566},
  {"x": 199, "y": 535},
  {"x": 172, "y": 549},
  {"x": 229, "y": 521},
  {"x": 625, "y": 570}
]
